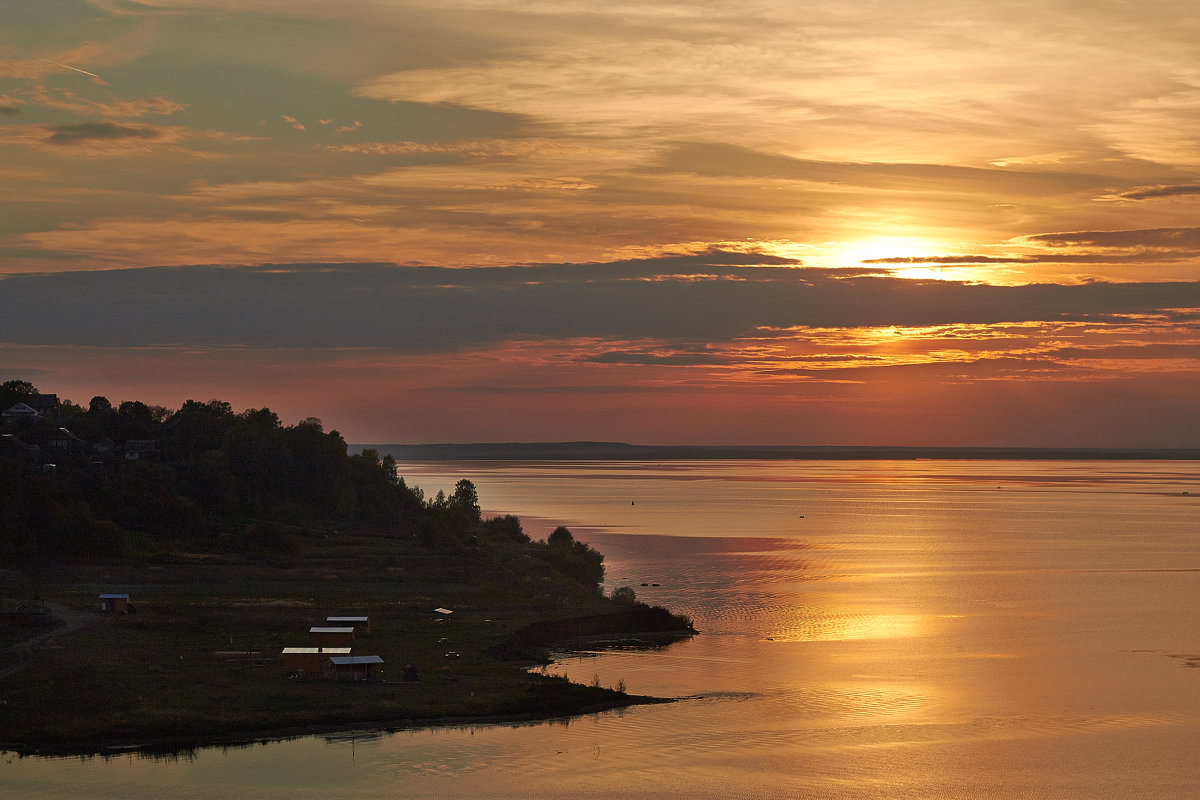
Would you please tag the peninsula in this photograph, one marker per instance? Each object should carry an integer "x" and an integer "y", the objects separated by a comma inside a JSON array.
[{"x": 158, "y": 562}]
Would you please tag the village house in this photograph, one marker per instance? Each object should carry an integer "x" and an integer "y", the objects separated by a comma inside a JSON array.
[
  {"x": 21, "y": 413},
  {"x": 114, "y": 603},
  {"x": 300, "y": 660},
  {"x": 10, "y": 443},
  {"x": 328, "y": 636},
  {"x": 64, "y": 441},
  {"x": 361, "y": 625},
  {"x": 138, "y": 449},
  {"x": 354, "y": 668},
  {"x": 45, "y": 404}
]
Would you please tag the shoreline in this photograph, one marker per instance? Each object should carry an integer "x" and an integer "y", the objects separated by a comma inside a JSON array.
[
  {"x": 175, "y": 746},
  {"x": 552, "y": 698},
  {"x": 620, "y": 451}
]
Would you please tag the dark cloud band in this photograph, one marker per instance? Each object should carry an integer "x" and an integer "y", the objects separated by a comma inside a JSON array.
[{"x": 692, "y": 298}]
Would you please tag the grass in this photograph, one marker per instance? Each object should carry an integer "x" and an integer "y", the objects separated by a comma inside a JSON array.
[{"x": 177, "y": 671}]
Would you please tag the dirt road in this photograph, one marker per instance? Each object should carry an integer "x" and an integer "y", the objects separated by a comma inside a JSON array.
[{"x": 71, "y": 619}]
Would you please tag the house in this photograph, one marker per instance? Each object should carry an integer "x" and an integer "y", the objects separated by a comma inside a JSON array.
[
  {"x": 326, "y": 636},
  {"x": 20, "y": 413},
  {"x": 45, "y": 404},
  {"x": 354, "y": 668},
  {"x": 361, "y": 625},
  {"x": 114, "y": 603},
  {"x": 298, "y": 660},
  {"x": 138, "y": 449},
  {"x": 11, "y": 444},
  {"x": 62, "y": 439}
]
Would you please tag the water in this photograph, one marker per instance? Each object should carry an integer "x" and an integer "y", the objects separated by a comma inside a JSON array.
[{"x": 927, "y": 629}]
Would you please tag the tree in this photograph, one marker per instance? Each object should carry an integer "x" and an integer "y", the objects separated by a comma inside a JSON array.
[
  {"x": 506, "y": 529},
  {"x": 13, "y": 392},
  {"x": 136, "y": 420},
  {"x": 574, "y": 559},
  {"x": 625, "y": 595},
  {"x": 100, "y": 406},
  {"x": 465, "y": 500},
  {"x": 262, "y": 418},
  {"x": 560, "y": 538}
]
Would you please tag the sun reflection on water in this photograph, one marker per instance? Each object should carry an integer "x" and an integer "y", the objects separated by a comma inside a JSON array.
[{"x": 842, "y": 626}]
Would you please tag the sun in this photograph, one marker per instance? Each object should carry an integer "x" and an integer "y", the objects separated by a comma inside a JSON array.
[
  {"x": 862, "y": 252},
  {"x": 857, "y": 252}
]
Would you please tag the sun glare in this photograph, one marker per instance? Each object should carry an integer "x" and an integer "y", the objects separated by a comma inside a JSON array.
[
  {"x": 862, "y": 252},
  {"x": 887, "y": 247}
]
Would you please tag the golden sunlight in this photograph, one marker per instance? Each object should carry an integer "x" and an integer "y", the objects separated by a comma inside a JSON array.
[
  {"x": 862, "y": 252},
  {"x": 887, "y": 247},
  {"x": 858, "y": 252},
  {"x": 835, "y": 626}
]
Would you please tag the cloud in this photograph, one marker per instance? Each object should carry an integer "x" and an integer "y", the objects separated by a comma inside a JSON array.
[
  {"x": 675, "y": 359},
  {"x": 1160, "y": 238},
  {"x": 70, "y": 133},
  {"x": 109, "y": 106},
  {"x": 724, "y": 160},
  {"x": 1139, "y": 257},
  {"x": 1154, "y": 192},
  {"x": 962, "y": 259},
  {"x": 9, "y": 111},
  {"x": 701, "y": 299},
  {"x": 1144, "y": 245}
]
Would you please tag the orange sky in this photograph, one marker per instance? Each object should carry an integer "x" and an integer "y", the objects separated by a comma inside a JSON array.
[{"x": 666, "y": 222}]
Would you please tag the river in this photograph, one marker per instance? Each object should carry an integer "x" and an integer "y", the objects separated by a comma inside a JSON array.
[{"x": 871, "y": 629}]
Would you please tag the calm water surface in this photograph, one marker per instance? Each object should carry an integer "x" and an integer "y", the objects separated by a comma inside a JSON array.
[{"x": 924, "y": 629}]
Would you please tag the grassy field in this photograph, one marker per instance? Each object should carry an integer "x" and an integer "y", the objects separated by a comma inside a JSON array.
[{"x": 199, "y": 660}]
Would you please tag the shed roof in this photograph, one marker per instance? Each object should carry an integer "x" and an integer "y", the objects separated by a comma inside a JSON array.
[
  {"x": 346, "y": 619},
  {"x": 324, "y": 629},
  {"x": 114, "y": 597},
  {"x": 342, "y": 661},
  {"x": 339, "y": 651}
]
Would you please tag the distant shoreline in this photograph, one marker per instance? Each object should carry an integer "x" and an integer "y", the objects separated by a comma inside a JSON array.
[{"x": 618, "y": 451}]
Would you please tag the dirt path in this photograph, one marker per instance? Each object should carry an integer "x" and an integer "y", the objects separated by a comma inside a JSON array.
[{"x": 72, "y": 620}]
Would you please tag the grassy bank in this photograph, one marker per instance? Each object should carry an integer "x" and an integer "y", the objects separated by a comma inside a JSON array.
[{"x": 199, "y": 661}]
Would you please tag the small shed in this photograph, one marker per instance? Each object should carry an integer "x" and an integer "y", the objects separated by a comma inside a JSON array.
[
  {"x": 361, "y": 625},
  {"x": 328, "y": 636},
  {"x": 310, "y": 659},
  {"x": 114, "y": 603},
  {"x": 354, "y": 668}
]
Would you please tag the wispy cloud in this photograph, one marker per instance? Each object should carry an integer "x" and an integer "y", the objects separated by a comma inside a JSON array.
[
  {"x": 107, "y": 105},
  {"x": 1187, "y": 239},
  {"x": 1154, "y": 192}
]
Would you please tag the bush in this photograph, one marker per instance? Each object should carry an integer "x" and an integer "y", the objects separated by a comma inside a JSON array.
[{"x": 624, "y": 594}]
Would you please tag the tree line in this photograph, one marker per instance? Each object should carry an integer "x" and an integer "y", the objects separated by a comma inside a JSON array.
[{"x": 209, "y": 478}]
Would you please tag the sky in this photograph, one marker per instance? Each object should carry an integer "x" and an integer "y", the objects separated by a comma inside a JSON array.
[{"x": 697, "y": 222}]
